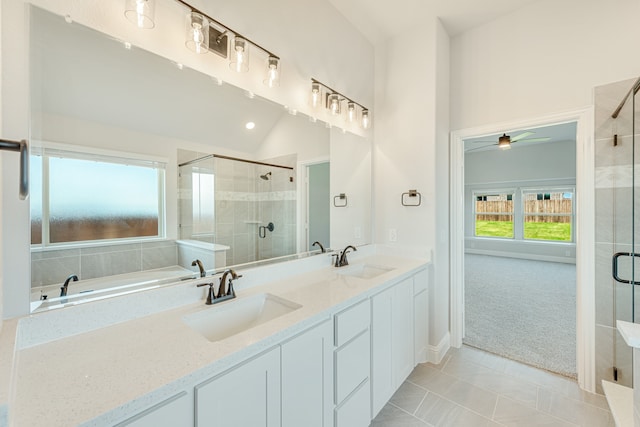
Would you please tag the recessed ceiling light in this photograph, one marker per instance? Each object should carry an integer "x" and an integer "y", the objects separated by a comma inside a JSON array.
[{"x": 250, "y": 125}]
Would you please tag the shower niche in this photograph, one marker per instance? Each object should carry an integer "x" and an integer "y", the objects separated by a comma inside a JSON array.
[{"x": 237, "y": 210}]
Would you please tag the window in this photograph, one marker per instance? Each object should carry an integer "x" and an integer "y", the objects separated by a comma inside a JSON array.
[
  {"x": 548, "y": 214},
  {"x": 494, "y": 214},
  {"x": 79, "y": 197}
]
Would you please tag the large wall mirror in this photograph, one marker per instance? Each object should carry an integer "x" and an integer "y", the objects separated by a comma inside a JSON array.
[{"x": 141, "y": 166}]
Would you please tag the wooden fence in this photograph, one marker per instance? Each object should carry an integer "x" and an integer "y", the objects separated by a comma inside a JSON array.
[{"x": 554, "y": 210}]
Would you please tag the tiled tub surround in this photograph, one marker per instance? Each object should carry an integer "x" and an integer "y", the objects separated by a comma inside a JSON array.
[
  {"x": 53, "y": 266},
  {"x": 115, "y": 358}
]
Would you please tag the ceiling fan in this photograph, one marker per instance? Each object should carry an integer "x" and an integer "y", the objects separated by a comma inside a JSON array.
[{"x": 505, "y": 141}]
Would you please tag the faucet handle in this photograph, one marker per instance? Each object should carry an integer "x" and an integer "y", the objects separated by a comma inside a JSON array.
[
  {"x": 337, "y": 262},
  {"x": 210, "y": 295}
]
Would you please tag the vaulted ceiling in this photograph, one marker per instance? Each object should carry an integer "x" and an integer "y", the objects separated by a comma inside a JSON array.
[{"x": 379, "y": 20}]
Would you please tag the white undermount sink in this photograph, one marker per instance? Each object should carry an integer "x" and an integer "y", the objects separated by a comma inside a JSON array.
[
  {"x": 237, "y": 315},
  {"x": 364, "y": 271}
]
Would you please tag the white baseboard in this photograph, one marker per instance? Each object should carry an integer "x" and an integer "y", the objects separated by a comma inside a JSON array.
[
  {"x": 436, "y": 353},
  {"x": 534, "y": 257}
]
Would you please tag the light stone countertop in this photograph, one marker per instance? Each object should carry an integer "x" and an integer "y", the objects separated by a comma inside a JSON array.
[{"x": 103, "y": 376}]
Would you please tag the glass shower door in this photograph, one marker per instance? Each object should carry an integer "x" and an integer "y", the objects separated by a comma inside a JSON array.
[{"x": 625, "y": 262}]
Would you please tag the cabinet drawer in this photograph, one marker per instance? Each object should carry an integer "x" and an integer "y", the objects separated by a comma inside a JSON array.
[
  {"x": 351, "y": 322},
  {"x": 355, "y": 411},
  {"x": 352, "y": 366}
]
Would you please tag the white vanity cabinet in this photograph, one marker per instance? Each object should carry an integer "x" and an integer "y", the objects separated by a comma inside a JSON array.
[
  {"x": 290, "y": 385},
  {"x": 392, "y": 341},
  {"x": 247, "y": 395},
  {"x": 352, "y": 355},
  {"x": 307, "y": 378}
]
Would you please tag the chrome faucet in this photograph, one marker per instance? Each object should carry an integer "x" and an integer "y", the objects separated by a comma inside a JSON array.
[
  {"x": 322, "y": 249},
  {"x": 341, "y": 260},
  {"x": 63, "y": 288},
  {"x": 199, "y": 264},
  {"x": 224, "y": 293}
]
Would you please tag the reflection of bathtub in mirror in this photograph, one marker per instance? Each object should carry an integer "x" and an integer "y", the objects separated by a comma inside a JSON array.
[
  {"x": 119, "y": 284},
  {"x": 212, "y": 255}
]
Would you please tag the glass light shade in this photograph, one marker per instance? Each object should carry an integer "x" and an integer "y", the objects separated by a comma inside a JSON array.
[
  {"x": 366, "y": 119},
  {"x": 197, "y": 38},
  {"x": 240, "y": 55},
  {"x": 351, "y": 112},
  {"x": 273, "y": 72},
  {"x": 333, "y": 104},
  {"x": 140, "y": 12},
  {"x": 316, "y": 95}
]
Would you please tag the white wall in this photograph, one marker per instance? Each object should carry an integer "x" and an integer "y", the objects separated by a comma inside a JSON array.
[
  {"x": 411, "y": 119},
  {"x": 350, "y": 173},
  {"x": 546, "y": 57},
  {"x": 308, "y": 35},
  {"x": 295, "y": 134}
]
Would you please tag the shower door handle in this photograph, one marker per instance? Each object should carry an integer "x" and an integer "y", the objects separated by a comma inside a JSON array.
[{"x": 614, "y": 267}]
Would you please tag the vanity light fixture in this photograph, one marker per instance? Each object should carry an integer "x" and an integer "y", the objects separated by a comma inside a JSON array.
[
  {"x": 197, "y": 38},
  {"x": 273, "y": 72},
  {"x": 140, "y": 12},
  {"x": 205, "y": 34},
  {"x": 334, "y": 100}
]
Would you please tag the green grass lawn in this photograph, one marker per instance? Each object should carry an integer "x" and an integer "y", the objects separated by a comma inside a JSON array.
[{"x": 532, "y": 230}]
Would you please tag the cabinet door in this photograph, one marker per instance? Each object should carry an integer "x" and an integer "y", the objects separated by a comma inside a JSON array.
[
  {"x": 381, "y": 357},
  {"x": 248, "y": 395},
  {"x": 392, "y": 338},
  {"x": 402, "y": 336},
  {"x": 307, "y": 378}
]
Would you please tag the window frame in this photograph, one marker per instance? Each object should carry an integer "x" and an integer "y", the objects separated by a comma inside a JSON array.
[
  {"x": 493, "y": 192},
  {"x": 46, "y": 149}
]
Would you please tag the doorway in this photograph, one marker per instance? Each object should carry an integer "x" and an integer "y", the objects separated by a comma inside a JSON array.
[
  {"x": 520, "y": 246},
  {"x": 584, "y": 231}
]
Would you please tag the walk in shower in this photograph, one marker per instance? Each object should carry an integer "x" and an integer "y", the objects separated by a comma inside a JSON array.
[
  {"x": 246, "y": 207},
  {"x": 616, "y": 230}
]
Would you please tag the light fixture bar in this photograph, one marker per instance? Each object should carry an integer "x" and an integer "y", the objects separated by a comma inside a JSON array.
[
  {"x": 227, "y": 29},
  {"x": 335, "y": 92}
]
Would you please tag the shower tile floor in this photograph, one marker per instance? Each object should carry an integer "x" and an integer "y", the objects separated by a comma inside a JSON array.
[{"x": 472, "y": 388}]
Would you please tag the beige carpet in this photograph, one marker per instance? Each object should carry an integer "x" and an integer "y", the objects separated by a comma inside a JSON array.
[{"x": 523, "y": 310}]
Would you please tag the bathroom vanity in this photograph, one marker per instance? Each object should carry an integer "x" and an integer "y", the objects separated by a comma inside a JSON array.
[{"x": 334, "y": 346}]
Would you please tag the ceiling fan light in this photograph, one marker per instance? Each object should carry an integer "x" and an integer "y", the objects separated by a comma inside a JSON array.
[{"x": 504, "y": 142}]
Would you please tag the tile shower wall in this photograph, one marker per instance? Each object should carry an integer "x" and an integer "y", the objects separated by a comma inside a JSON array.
[
  {"x": 55, "y": 265},
  {"x": 613, "y": 211}
]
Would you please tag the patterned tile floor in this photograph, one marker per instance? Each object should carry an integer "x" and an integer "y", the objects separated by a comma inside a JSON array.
[{"x": 472, "y": 388}]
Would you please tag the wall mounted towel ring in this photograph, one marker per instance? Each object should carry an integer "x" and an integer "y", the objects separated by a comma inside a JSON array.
[
  {"x": 340, "y": 201},
  {"x": 411, "y": 198},
  {"x": 21, "y": 147}
]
